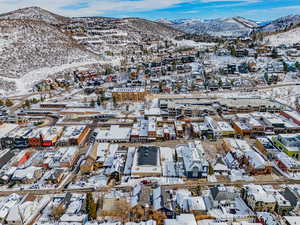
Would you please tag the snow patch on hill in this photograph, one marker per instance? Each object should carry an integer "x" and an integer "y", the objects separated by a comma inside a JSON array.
[{"x": 288, "y": 38}]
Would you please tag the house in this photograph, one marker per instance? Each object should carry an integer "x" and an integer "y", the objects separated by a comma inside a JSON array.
[
  {"x": 247, "y": 125},
  {"x": 182, "y": 219},
  {"x": 90, "y": 157},
  {"x": 189, "y": 203},
  {"x": 27, "y": 210},
  {"x": 292, "y": 194},
  {"x": 292, "y": 220},
  {"x": 259, "y": 199},
  {"x": 193, "y": 159},
  {"x": 69, "y": 156},
  {"x": 148, "y": 222},
  {"x": 22, "y": 158},
  {"x": 220, "y": 167},
  {"x": 286, "y": 163},
  {"x": 28, "y": 175},
  {"x": 162, "y": 200},
  {"x": 45, "y": 136},
  {"x": 241, "y": 52},
  {"x": 6, "y": 157},
  {"x": 265, "y": 146},
  {"x": 225, "y": 204},
  {"x": 8, "y": 203},
  {"x": 17, "y": 138},
  {"x": 249, "y": 158},
  {"x": 102, "y": 149},
  {"x": 222, "y": 193},
  {"x": 55, "y": 176},
  {"x": 70, "y": 219}
]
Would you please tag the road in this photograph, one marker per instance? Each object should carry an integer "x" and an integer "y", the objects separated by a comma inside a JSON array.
[{"x": 174, "y": 186}]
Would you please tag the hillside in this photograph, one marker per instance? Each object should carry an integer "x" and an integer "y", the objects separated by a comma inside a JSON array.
[
  {"x": 236, "y": 26},
  {"x": 152, "y": 28},
  {"x": 288, "y": 38},
  {"x": 28, "y": 45},
  {"x": 36, "y": 14},
  {"x": 281, "y": 24},
  {"x": 118, "y": 37},
  {"x": 31, "y": 48}
]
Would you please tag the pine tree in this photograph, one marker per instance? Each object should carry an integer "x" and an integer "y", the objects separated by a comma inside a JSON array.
[
  {"x": 98, "y": 100},
  {"x": 27, "y": 103},
  {"x": 114, "y": 101},
  {"x": 232, "y": 51},
  {"x": 274, "y": 53},
  {"x": 92, "y": 103},
  {"x": 91, "y": 207},
  {"x": 210, "y": 169},
  {"x": 9, "y": 103}
]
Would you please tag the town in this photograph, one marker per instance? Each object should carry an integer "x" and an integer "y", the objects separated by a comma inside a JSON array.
[{"x": 182, "y": 132}]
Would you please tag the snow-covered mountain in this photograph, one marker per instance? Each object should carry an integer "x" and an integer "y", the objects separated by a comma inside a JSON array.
[
  {"x": 29, "y": 45},
  {"x": 165, "y": 21},
  {"x": 37, "y": 14},
  {"x": 281, "y": 24},
  {"x": 235, "y": 26}
]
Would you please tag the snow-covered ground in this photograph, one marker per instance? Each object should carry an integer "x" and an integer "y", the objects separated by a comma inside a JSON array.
[
  {"x": 191, "y": 43},
  {"x": 25, "y": 83},
  {"x": 288, "y": 38}
]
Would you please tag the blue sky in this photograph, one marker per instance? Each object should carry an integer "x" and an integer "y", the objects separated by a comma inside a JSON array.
[{"x": 261, "y": 10}]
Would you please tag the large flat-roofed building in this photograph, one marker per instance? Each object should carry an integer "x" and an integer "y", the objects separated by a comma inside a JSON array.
[
  {"x": 146, "y": 162},
  {"x": 4, "y": 130},
  {"x": 129, "y": 94},
  {"x": 53, "y": 105},
  {"x": 219, "y": 128},
  {"x": 48, "y": 136},
  {"x": 69, "y": 157},
  {"x": 190, "y": 107},
  {"x": 239, "y": 105},
  {"x": 115, "y": 134},
  {"x": 289, "y": 143},
  {"x": 196, "y": 107},
  {"x": 74, "y": 135}
]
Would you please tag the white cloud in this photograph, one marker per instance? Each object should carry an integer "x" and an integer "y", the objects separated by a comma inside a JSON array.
[
  {"x": 92, "y": 7},
  {"x": 277, "y": 10},
  {"x": 248, "y": 1}
]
